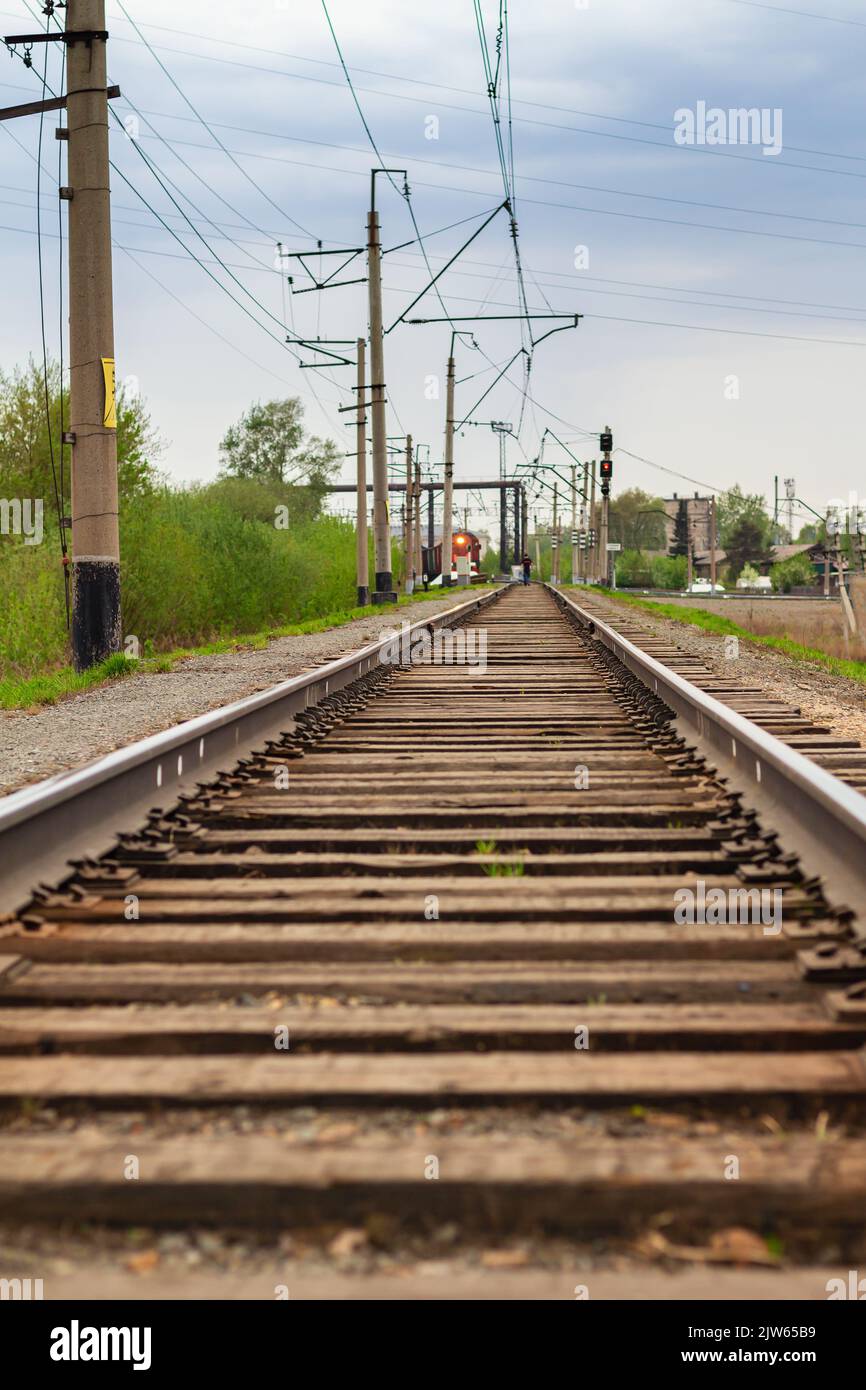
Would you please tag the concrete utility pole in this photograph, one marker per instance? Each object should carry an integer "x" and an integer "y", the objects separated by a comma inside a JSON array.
[
  {"x": 593, "y": 526},
  {"x": 574, "y": 552},
  {"x": 537, "y": 548},
  {"x": 448, "y": 501},
  {"x": 554, "y": 541},
  {"x": 713, "y": 543},
  {"x": 605, "y": 528},
  {"x": 384, "y": 590},
  {"x": 363, "y": 564},
  {"x": 501, "y": 428},
  {"x": 416, "y": 513},
  {"x": 96, "y": 630},
  {"x": 409, "y": 522}
]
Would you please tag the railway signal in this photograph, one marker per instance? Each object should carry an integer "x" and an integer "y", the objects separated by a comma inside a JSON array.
[{"x": 605, "y": 473}]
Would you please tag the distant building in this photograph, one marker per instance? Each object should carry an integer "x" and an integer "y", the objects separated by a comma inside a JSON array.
[
  {"x": 698, "y": 514},
  {"x": 702, "y": 564}
]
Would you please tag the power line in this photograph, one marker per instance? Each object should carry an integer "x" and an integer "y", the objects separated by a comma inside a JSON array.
[
  {"x": 204, "y": 322},
  {"x": 463, "y": 91},
  {"x": 658, "y": 299},
  {"x": 695, "y": 327},
  {"x": 58, "y": 499},
  {"x": 506, "y": 166},
  {"x": 202, "y": 214},
  {"x": 579, "y": 130},
  {"x": 155, "y": 171},
  {"x": 582, "y": 278},
  {"x": 547, "y": 203},
  {"x": 208, "y": 128},
  {"x": 801, "y": 14},
  {"x": 151, "y": 165},
  {"x": 474, "y": 169},
  {"x": 375, "y": 147},
  {"x": 706, "y": 328}
]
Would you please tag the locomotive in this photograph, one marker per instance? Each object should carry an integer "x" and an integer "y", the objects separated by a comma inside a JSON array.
[{"x": 463, "y": 543}]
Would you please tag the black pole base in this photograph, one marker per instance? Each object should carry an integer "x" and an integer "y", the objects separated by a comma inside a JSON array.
[
  {"x": 363, "y": 596},
  {"x": 384, "y": 592},
  {"x": 95, "y": 612}
]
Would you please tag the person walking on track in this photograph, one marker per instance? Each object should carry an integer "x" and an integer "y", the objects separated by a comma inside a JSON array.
[{"x": 527, "y": 567}]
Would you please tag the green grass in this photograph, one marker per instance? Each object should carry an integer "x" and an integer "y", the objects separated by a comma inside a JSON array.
[
  {"x": 499, "y": 868},
  {"x": 46, "y": 689},
  {"x": 714, "y": 622},
  {"x": 56, "y": 685},
  {"x": 259, "y": 640}
]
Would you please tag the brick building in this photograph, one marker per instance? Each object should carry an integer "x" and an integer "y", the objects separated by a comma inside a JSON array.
[{"x": 698, "y": 512}]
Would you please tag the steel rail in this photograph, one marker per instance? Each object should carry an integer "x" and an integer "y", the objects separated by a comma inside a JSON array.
[
  {"x": 815, "y": 814},
  {"x": 82, "y": 812}
]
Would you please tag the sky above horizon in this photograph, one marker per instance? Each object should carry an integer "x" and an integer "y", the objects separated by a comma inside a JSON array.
[{"x": 714, "y": 302}]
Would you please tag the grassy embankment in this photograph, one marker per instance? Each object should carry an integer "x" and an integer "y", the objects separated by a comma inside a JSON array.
[{"x": 199, "y": 577}]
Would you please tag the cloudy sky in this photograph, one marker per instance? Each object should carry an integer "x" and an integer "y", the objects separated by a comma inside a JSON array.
[{"x": 722, "y": 288}]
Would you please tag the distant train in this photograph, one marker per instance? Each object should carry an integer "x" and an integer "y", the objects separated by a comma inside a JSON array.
[{"x": 463, "y": 543}]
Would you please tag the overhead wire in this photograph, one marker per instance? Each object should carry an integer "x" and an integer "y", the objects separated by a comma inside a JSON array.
[
  {"x": 464, "y": 91},
  {"x": 566, "y": 207},
  {"x": 474, "y": 169},
  {"x": 405, "y": 193},
  {"x": 669, "y": 146},
  {"x": 506, "y": 162},
  {"x": 189, "y": 252},
  {"x": 250, "y": 180},
  {"x": 58, "y": 497}
]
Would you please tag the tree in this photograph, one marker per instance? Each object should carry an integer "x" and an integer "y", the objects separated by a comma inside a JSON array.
[
  {"x": 735, "y": 507},
  {"x": 25, "y": 451},
  {"x": 633, "y": 570},
  {"x": 668, "y": 571},
  {"x": 747, "y": 543},
  {"x": 796, "y": 570},
  {"x": 636, "y": 520},
  {"x": 268, "y": 444},
  {"x": 681, "y": 542},
  {"x": 808, "y": 534}
]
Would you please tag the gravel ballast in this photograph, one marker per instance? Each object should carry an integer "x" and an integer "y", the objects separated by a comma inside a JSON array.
[
  {"x": 35, "y": 744},
  {"x": 830, "y": 700}
]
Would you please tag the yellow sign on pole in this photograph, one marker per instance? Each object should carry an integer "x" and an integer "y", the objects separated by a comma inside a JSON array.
[{"x": 109, "y": 417}]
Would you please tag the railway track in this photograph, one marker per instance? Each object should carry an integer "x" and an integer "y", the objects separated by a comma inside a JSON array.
[
  {"x": 403, "y": 997},
  {"x": 844, "y": 757}
]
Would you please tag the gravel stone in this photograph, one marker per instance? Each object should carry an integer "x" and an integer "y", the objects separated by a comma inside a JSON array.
[
  {"x": 829, "y": 700},
  {"x": 56, "y": 738}
]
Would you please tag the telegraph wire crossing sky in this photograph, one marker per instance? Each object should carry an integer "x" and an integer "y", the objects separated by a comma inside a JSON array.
[{"x": 689, "y": 182}]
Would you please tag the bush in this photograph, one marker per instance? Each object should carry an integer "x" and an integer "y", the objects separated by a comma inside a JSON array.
[
  {"x": 796, "y": 570},
  {"x": 196, "y": 565},
  {"x": 637, "y": 570}
]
